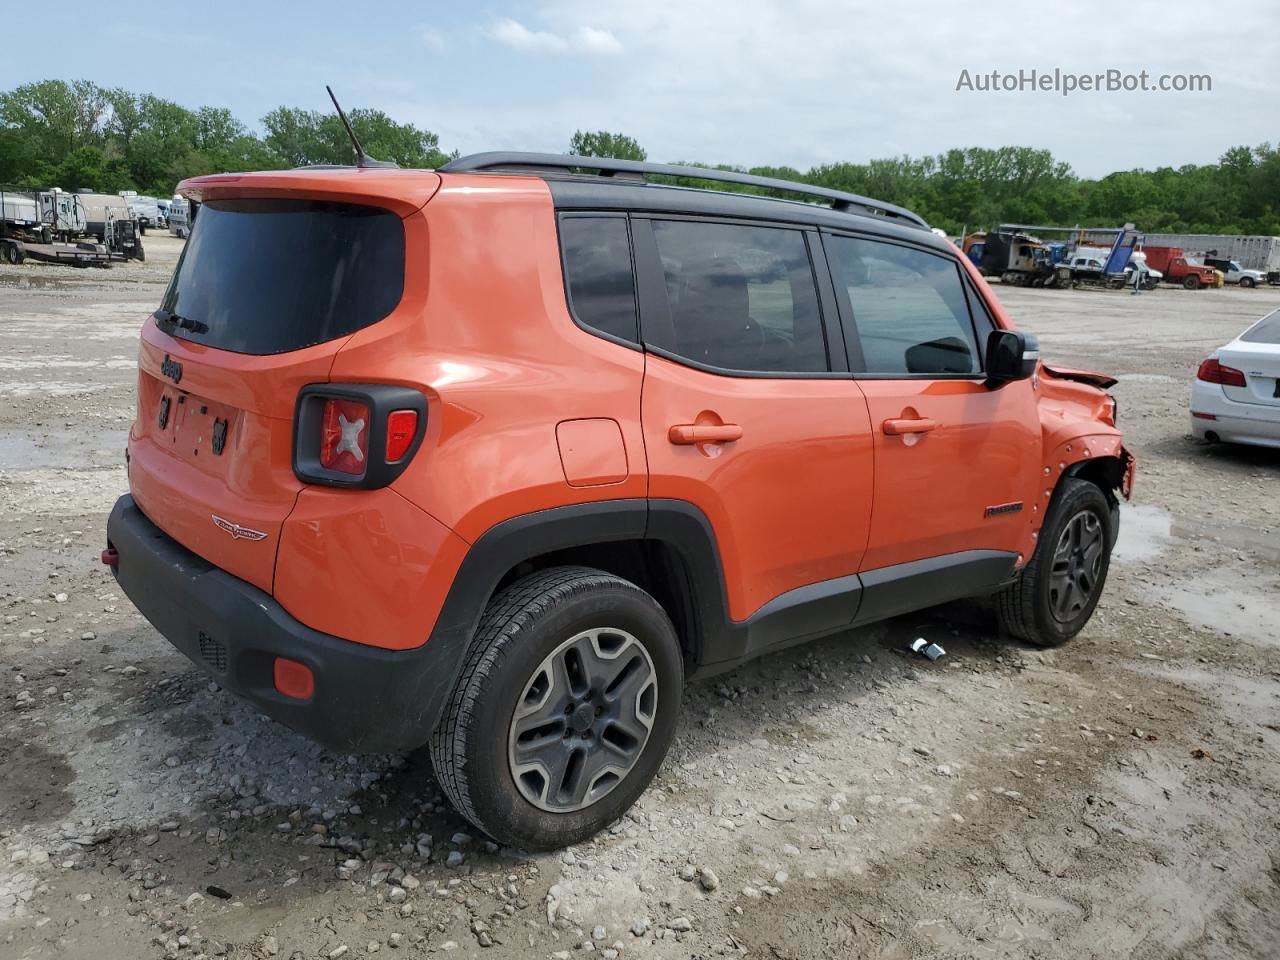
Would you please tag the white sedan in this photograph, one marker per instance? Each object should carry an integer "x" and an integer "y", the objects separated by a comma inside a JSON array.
[{"x": 1236, "y": 396}]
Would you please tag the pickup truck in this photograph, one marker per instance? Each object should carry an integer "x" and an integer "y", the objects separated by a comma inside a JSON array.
[
  {"x": 1177, "y": 267},
  {"x": 1232, "y": 272}
]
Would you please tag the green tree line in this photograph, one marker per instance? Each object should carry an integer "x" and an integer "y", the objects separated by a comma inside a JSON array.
[{"x": 78, "y": 134}]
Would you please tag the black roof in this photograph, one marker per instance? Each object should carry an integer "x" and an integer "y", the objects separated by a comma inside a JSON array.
[{"x": 625, "y": 185}]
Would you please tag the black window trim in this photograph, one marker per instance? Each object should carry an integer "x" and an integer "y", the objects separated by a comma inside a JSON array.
[
  {"x": 655, "y": 309},
  {"x": 849, "y": 323},
  {"x": 562, "y": 215}
]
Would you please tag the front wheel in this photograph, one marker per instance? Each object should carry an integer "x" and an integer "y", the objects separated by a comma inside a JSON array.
[
  {"x": 1191, "y": 283},
  {"x": 1246, "y": 282},
  {"x": 565, "y": 707},
  {"x": 1056, "y": 593}
]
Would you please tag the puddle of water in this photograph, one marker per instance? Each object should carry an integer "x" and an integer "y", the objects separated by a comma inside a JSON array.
[
  {"x": 34, "y": 282},
  {"x": 1147, "y": 378},
  {"x": 1249, "y": 696},
  {"x": 1228, "y": 604},
  {"x": 24, "y": 450},
  {"x": 1144, "y": 534},
  {"x": 1146, "y": 531}
]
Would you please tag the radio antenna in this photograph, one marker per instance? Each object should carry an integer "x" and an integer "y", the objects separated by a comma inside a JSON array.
[{"x": 362, "y": 158}]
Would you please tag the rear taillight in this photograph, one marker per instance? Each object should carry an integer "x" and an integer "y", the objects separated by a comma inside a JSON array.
[
  {"x": 356, "y": 435},
  {"x": 344, "y": 436},
  {"x": 402, "y": 427},
  {"x": 1211, "y": 371}
]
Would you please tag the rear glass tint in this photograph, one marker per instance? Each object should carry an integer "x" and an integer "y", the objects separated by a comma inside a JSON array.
[
  {"x": 1266, "y": 330},
  {"x": 268, "y": 276}
]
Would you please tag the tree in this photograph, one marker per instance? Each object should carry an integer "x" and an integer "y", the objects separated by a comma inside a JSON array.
[
  {"x": 77, "y": 134},
  {"x": 301, "y": 137},
  {"x": 58, "y": 116},
  {"x": 600, "y": 143}
]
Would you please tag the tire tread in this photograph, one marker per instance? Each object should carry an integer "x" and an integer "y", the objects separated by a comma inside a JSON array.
[
  {"x": 508, "y": 613},
  {"x": 1016, "y": 604}
]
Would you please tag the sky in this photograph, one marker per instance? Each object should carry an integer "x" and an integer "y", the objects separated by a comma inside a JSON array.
[{"x": 750, "y": 82}]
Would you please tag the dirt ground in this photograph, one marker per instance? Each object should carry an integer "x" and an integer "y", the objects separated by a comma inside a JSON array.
[{"x": 1119, "y": 797}]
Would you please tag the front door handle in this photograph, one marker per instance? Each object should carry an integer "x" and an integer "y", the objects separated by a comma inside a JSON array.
[
  {"x": 685, "y": 434},
  {"x": 896, "y": 428}
]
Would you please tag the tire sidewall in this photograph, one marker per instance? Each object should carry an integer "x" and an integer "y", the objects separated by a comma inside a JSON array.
[
  {"x": 517, "y": 654},
  {"x": 1076, "y": 496}
]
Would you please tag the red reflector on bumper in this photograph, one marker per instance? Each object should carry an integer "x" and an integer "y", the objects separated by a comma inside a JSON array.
[
  {"x": 1203, "y": 416},
  {"x": 110, "y": 557},
  {"x": 294, "y": 679}
]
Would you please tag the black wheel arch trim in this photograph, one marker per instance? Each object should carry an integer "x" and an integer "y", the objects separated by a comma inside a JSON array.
[{"x": 716, "y": 641}]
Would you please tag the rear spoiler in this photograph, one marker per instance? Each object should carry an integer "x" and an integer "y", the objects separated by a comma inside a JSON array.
[{"x": 1099, "y": 380}]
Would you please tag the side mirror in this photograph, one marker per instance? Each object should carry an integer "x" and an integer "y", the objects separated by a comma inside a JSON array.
[{"x": 1011, "y": 355}]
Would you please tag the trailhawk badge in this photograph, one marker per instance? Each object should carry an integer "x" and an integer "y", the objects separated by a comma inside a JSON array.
[{"x": 237, "y": 532}]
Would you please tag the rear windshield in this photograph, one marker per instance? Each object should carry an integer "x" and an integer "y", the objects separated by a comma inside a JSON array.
[
  {"x": 1266, "y": 330},
  {"x": 269, "y": 276}
]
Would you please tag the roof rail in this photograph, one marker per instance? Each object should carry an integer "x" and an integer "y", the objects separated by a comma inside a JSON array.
[{"x": 515, "y": 162}]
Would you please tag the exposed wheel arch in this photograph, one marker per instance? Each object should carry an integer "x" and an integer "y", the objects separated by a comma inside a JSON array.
[{"x": 1104, "y": 472}]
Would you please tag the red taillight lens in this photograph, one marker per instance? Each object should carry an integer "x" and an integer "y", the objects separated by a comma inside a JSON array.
[
  {"x": 344, "y": 436},
  {"x": 401, "y": 427},
  {"x": 294, "y": 679},
  {"x": 1211, "y": 371}
]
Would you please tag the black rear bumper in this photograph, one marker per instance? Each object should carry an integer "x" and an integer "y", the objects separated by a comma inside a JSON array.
[{"x": 366, "y": 699}]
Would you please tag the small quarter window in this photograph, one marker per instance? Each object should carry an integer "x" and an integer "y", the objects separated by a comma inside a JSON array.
[
  {"x": 982, "y": 321},
  {"x": 597, "y": 266}
]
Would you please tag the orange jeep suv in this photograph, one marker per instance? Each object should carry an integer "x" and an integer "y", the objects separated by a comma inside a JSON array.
[{"x": 496, "y": 457}]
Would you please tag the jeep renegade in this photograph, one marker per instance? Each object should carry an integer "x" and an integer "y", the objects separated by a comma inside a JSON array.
[{"x": 496, "y": 457}]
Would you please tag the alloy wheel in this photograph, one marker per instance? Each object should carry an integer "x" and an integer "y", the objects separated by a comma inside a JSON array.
[
  {"x": 583, "y": 720},
  {"x": 1077, "y": 565}
]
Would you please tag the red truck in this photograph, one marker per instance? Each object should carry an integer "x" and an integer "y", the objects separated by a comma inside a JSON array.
[{"x": 1173, "y": 263}]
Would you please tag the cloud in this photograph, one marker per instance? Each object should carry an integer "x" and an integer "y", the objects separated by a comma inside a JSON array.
[
  {"x": 584, "y": 39},
  {"x": 433, "y": 40},
  {"x": 767, "y": 86},
  {"x": 591, "y": 40}
]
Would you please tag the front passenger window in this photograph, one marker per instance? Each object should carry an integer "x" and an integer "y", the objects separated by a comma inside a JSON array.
[{"x": 909, "y": 308}]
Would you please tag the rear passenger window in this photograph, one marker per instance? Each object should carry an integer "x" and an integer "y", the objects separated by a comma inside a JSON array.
[
  {"x": 597, "y": 266},
  {"x": 742, "y": 298},
  {"x": 909, "y": 308}
]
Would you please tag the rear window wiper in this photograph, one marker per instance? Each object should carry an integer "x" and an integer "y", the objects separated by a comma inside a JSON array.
[{"x": 184, "y": 323}]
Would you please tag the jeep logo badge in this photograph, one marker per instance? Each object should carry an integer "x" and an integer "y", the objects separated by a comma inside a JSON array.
[{"x": 171, "y": 368}]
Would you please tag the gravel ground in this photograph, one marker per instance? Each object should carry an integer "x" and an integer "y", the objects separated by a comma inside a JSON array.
[{"x": 1117, "y": 797}]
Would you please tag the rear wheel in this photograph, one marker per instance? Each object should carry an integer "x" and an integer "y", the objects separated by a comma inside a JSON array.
[
  {"x": 12, "y": 254},
  {"x": 565, "y": 707},
  {"x": 1056, "y": 593}
]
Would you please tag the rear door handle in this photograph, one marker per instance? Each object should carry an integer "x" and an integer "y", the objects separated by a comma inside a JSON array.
[
  {"x": 896, "y": 428},
  {"x": 684, "y": 434}
]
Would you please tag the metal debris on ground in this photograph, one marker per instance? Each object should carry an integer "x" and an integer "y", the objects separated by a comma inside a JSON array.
[{"x": 923, "y": 647}]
